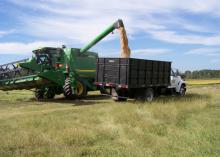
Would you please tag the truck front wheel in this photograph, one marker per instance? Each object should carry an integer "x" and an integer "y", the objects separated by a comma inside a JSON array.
[{"x": 182, "y": 91}]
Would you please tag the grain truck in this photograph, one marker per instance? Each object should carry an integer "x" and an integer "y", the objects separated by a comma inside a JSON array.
[{"x": 123, "y": 78}]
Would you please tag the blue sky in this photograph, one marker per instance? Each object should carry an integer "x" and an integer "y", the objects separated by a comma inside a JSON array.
[{"x": 186, "y": 33}]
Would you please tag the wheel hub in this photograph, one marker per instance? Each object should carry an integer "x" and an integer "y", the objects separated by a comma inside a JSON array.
[{"x": 79, "y": 88}]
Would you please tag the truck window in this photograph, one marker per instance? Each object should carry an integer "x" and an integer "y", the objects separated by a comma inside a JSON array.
[{"x": 173, "y": 73}]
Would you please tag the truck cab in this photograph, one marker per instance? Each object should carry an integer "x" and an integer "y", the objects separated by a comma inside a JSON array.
[{"x": 177, "y": 83}]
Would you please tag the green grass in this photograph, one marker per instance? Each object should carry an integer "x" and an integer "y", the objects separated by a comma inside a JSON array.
[{"x": 97, "y": 126}]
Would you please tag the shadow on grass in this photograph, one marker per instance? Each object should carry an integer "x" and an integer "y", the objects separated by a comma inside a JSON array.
[
  {"x": 169, "y": 98},
  {"x": 187, "y": 97},
  {"x": 99, "y": 99},
  {"x": 89, "y": 100}
]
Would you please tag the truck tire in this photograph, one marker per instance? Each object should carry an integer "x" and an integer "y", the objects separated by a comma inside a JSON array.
[
  {"x": 182, "y": 91},
  {"x": 67, "y": 89},
  {"x": 39, "y": 93},
  {"x": 80, "y": 90},
  {"x": 149, "y": 95},
  {"x": 49, "y": 93}
]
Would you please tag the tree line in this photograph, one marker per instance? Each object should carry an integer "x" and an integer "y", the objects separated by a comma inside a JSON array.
[{"x": 202, "y": 74}]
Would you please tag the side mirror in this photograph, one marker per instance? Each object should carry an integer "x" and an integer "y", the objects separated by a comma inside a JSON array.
[{"x": 183, "y": 76}]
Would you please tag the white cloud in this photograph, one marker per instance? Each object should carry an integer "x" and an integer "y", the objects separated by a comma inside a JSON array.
[
  {"x": 150, "y": 52},
  {"x": 71, "y": 30},
  {"x": 25, "y": 48},
  {"x": 215, "y": 61},
  {"x": 174, "y": 37},
  {"x": 205, "y": 51},
  {"x": 3, "y": 33},
  {"x": 197, "y": 6},
  {"x": 82, "y": 20},
  {"x": 79, "y": 21}
]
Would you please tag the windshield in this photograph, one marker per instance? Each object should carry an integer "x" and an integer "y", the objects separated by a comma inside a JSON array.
[
  {"x": 43, "y": 59},
  {"x": 172, "y": 73},
  {"x": 175, "y": 72}
]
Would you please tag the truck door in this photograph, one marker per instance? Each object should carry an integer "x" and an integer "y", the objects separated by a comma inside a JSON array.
[{"x": 173, "y": 79}]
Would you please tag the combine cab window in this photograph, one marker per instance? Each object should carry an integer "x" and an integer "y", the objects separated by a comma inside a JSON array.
[{"x": 43, "y": 59}]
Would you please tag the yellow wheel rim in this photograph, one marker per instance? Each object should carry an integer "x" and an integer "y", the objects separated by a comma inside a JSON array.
[{"x": 79, "y": 88}]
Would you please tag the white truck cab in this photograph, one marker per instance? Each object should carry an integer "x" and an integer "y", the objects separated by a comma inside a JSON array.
[{"x": 177, "y": 84}]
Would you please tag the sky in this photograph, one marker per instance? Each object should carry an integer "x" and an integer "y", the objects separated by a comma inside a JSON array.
[{"x": 184, "y": 32}]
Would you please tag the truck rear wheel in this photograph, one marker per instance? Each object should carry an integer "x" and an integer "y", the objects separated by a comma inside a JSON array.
[
  {"x": 149, "y": 95},
  {"x": 67, "y": 89}
]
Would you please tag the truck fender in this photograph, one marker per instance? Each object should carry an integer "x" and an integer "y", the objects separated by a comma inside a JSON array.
[{"x": 179, "y": 85}]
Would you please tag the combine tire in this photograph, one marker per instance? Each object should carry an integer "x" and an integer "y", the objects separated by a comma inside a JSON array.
[
  {"x": 49, "y": 93},
  {"x": 39, "y": 94},
  {"x": 80, "y": 90},
  {"x": 67, "y": 89}
]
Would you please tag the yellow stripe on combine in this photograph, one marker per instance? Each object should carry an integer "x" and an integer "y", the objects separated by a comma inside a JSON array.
[{"x": 87, "y": 70}]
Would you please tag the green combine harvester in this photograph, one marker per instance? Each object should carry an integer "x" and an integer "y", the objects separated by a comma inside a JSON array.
[{"x": 52, "y": 71}]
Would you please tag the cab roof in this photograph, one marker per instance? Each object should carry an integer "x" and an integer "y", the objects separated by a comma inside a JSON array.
[{"x": 43, "y": 49}]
